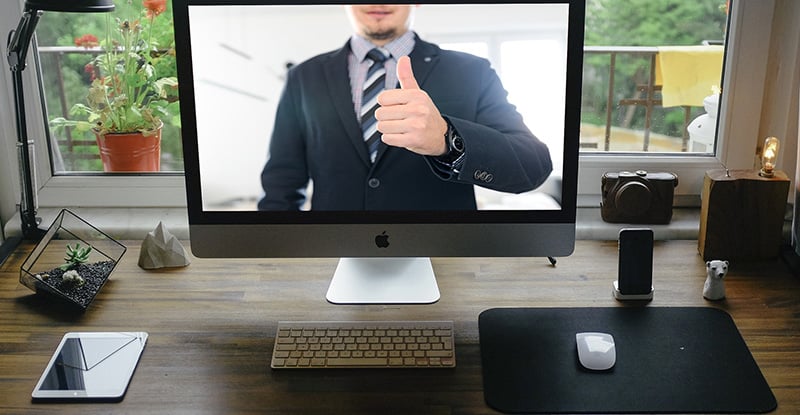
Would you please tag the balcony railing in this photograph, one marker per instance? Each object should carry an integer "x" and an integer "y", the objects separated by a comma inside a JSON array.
[
  {"x": 68, "y": 145},
  {"x": 622, "y": 96},
  {"x": 648, "y": 93}
]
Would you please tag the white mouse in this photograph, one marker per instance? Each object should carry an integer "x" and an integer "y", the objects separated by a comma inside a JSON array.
[{"x": 596, "y": 351}]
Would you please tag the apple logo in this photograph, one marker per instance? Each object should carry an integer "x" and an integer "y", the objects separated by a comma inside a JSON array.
[{"x": 382, "y": 240}]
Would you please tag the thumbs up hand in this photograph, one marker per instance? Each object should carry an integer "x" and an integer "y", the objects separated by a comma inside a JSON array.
[
  {"x": 408, "y": 117},
  {"x": 405, "y": 74}
]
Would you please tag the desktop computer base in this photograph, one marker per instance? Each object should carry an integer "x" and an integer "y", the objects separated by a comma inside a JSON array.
[{"x": 383, "y": 281}]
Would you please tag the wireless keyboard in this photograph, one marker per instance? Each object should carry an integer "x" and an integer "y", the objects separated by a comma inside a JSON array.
[{"x": 363, "y": 344}]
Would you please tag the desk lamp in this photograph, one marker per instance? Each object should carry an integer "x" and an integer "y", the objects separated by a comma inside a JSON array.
[
  {"x": 18, "y": 43},
  {"x": 769, "y": 155}
]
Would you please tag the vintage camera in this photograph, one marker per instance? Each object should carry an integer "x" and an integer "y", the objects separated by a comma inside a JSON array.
[{"x": 637, "y": 197}]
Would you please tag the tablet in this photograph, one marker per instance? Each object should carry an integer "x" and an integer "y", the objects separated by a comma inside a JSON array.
[{"x": 91, "y": 366}]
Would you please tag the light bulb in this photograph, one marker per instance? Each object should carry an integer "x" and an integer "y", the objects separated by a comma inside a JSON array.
[{"x": 769, "y": 156}]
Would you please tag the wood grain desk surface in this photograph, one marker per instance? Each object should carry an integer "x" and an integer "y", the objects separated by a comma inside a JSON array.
[{"x": 212, "y": 328}]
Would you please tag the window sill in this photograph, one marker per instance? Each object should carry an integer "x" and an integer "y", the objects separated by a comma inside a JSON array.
[
  {"x": 685, "y": 224},
  {"x": 135, "y": 223},
  {"x": 118, "y": 223}
]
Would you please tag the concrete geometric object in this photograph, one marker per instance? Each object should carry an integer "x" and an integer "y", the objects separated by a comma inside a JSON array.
[{"x": 161, "y": 249}]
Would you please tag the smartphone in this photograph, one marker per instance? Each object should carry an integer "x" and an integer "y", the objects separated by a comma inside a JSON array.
[
  {"x": 91, "y": 366},
  {"x": 635, "y": 276}
]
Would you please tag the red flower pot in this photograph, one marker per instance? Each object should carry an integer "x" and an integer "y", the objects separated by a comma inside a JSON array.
[{"x": 127, "y": 152}]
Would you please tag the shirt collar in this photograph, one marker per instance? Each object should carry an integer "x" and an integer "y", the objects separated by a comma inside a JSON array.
[{"x": 401, "y": 46}]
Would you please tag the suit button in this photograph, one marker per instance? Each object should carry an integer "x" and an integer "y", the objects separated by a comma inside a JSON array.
[
  {"x": 483, "y": 176},
  {"x": 374, "y": 183}
]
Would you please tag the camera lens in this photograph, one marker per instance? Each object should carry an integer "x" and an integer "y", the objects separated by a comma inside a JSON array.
[{"x": 633, "y": 198}]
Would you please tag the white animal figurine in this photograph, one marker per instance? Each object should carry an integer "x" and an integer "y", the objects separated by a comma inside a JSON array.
[{"x": 714, "y": 288}]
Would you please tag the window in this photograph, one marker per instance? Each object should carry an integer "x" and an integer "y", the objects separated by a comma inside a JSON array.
[
  {"x": 69, "y": 44},
  {"x": 738, "y": 124},
  {"x": 68, "y": 171},
  {"x": 650, "y": 67}
]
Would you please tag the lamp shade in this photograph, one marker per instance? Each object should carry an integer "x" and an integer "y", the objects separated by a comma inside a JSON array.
[{"x": 83, "y": 6}]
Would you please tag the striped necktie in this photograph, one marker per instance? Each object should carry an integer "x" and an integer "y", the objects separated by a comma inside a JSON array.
[{"x": 374, "y": 83}]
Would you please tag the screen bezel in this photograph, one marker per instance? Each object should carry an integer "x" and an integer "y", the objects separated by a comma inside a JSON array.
[{"x": 205, "y": 224}]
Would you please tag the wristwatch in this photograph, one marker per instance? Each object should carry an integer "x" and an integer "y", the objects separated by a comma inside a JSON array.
[{"x": 455, "y": 148}]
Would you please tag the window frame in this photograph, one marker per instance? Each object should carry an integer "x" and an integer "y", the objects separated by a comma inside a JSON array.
[
  {"x": 744, "y": 78},
  {"x": 738, "y": 121}
]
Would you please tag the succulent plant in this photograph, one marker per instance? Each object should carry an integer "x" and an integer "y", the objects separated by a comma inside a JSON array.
[{"x": 76, "y": 255}]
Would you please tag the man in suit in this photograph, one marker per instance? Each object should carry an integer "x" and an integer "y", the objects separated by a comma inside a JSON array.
[{"x": 446, "y": 128}]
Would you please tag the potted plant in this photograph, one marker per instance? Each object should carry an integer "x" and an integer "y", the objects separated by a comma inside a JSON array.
[{"x": 128, "y": 96}]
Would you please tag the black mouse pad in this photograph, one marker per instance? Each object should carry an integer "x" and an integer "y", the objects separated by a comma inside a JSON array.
[{"x": 669, "y": 360}]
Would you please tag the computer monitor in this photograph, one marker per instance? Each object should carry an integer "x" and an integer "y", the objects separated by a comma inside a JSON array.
[{"x": 235, "y": 59}]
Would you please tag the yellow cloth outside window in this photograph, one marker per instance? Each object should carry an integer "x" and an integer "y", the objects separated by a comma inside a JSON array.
[{"x": 687, "y": 74}]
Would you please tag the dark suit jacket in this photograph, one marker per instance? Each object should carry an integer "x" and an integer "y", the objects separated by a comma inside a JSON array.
[{"x": 317, "y": 136}]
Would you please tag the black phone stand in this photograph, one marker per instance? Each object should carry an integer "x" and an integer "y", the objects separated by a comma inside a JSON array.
[{"x": 635, "y": 273}]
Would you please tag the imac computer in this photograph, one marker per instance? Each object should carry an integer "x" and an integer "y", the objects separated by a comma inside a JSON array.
[{"x": 277, "y": 164}]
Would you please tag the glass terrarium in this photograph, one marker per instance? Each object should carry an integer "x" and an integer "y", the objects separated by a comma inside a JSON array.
[{"x": 72, "y": 262}]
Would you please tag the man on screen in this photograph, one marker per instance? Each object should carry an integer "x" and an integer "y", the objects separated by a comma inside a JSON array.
[{"x": 446, "y": 128}]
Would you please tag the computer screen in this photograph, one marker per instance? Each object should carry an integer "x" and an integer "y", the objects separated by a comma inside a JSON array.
[{"x": 477, "y": 133}]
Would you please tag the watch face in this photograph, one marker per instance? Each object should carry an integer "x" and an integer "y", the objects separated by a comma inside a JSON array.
[{"x": 457, "y": 143}]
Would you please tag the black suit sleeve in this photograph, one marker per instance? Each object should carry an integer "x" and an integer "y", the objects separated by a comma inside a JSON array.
[
  {"x": 285, "y": 175},
  {"x": 501, "y": 152}
]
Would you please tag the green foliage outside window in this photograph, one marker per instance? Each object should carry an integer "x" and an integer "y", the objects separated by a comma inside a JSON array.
[{"x": 649, "y": 23}]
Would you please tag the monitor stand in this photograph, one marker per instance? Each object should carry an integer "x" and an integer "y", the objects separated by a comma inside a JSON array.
[{"x": 383, "y": 281}]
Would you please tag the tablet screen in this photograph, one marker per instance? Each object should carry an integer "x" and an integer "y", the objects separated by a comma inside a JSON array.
[{"x": 91, "y": 366}]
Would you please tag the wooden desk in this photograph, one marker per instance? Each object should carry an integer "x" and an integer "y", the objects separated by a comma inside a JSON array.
[{"x": 211, "y": 329}]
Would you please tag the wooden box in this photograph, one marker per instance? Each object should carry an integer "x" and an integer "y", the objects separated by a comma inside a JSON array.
[{"x": 742, "y": 215}]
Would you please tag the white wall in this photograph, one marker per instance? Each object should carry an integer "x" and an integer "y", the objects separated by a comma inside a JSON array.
[
  {"x": 9, "y": 189},
  {"x": 779, "y": 114}
]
